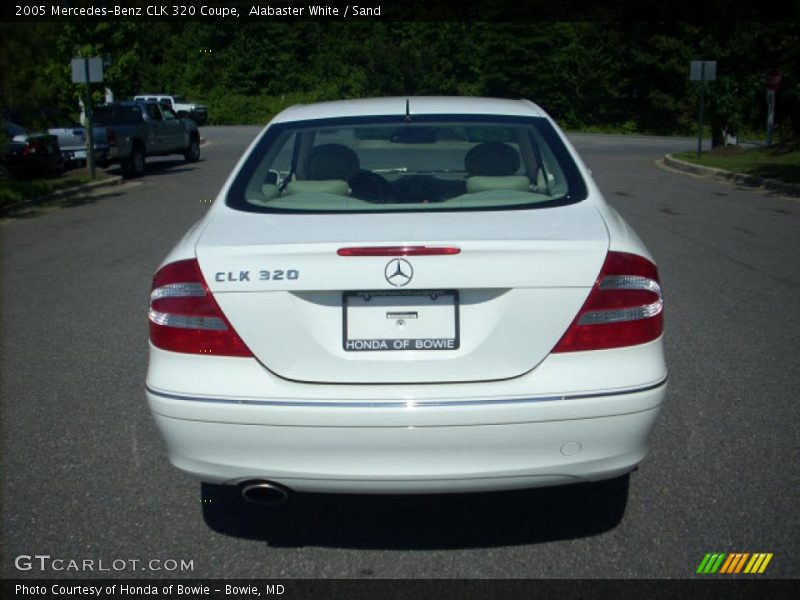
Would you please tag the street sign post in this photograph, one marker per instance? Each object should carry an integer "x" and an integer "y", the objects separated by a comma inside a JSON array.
[
  {"x": 88, "y": 70},
  {"x": 773, "y": 83},
  {"x": 702, "y": 71}
]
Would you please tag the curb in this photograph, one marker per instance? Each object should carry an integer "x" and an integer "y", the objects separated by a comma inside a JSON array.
[
  {"x": 773, "y": 185},
  {"x": 73, "y": 191}
]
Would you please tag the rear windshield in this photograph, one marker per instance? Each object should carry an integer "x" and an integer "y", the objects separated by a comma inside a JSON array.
[
  {"x": 432, "y": 163},
  {"x": 116, "y": 115},
  {"x": 60, "y": 120}
]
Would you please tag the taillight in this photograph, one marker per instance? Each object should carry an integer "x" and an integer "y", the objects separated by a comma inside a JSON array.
[
  {"x": 32, "y": 147},
  {"x": 624, "y": 307},
  {"x": 184, "y": 317},
  {"x": 111, "y": 137}
]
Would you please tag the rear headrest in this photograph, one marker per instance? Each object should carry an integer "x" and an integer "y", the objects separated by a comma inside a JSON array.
[
  {"x": 327, "y": 186},
  {"x": 508, "y": 182},
  {"x": 491, "y": 159},
  {"x": 331, "y": 161}
]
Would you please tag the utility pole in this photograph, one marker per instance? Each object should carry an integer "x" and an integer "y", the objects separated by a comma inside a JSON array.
[
  {"x": 699, "y": 112},
  {"x": 773, "y": 83},
  {"x": 89, "y": 126},
  {"x": 88, "y": 70}
]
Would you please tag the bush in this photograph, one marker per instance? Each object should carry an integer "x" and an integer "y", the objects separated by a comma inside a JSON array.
[{"x": 236, "y": 109}]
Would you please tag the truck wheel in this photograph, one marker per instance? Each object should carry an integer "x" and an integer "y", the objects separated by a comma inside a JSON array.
[
  {"x": 134, "y": 166},
  {"x": 192, "y": 153}
]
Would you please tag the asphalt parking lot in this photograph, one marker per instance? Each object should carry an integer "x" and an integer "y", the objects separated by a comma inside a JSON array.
[{"x": 85, "y": 476}]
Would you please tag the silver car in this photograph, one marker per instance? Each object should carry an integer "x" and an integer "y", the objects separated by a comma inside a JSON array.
[{"x": 72, "y": 139}]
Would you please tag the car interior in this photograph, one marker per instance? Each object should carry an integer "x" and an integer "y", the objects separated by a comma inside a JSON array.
[{"x": 410, "y": 165}]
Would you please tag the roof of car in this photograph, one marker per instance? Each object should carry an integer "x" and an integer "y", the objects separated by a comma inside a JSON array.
[
  {"x": 430, "y": 105},
  {"x": 126, "y": 103}
]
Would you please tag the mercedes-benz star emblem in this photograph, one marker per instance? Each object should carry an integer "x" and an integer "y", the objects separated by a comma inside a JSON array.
[{"x": 398, "y": 272}]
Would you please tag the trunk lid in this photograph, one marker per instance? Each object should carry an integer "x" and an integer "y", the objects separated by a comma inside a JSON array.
[{"x": 492, "y": 311}]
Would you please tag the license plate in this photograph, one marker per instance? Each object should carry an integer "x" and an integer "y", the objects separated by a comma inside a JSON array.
[{"x": 400, "y": 320}]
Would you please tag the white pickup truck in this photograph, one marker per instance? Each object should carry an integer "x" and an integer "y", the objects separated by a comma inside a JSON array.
[{"x": 180, "y": 106}]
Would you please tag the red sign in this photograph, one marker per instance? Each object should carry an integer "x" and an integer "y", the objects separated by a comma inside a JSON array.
[{"x": 773, "y": 81}]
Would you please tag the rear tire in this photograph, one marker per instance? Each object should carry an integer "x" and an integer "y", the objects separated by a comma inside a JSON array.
[
  {"x": 192, "y": 153},
  {"x": 135, "y": 165}
]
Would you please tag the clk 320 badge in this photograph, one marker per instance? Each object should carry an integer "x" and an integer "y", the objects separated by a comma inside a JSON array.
[{"x": 276, "y": 275}]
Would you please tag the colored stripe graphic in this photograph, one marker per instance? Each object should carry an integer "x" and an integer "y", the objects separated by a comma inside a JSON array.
[
  {"x": 740, "y": 566},
  {"x": 734, "y": 563},
  {"x": 758, "y": 563},
  {"x": 711, "y": 563},
  {"x": 765, "y": 563},
  {"x": 754, "y": 564},
  {"x": 728, "y": 563},
  {"x": 703, "y": 563},
  {"x": 715, "y": 565}
]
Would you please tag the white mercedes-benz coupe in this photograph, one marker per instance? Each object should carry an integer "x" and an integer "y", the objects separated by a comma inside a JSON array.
[{"x": 407, "y": 295}]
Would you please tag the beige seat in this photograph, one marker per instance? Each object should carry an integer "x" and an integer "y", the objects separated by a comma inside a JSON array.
[
  {"x": 493, "y": 166},
  {"x": 326, "y": 171},
  {"x": 509, "y": 182},
  {"x": 328, "y": 186}
]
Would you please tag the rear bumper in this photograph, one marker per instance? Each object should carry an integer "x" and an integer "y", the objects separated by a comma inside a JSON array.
[
  {"x": 80, "y": 154},
  {"x": 417, "y": 448}
]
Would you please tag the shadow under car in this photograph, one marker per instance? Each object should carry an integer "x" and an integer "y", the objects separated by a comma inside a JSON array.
[{"x": 442, "y": 521}]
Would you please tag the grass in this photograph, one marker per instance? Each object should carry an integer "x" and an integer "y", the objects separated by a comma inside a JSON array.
[
  {"x": 16, "y": 192},
  {"x": 779, "y": 161}
]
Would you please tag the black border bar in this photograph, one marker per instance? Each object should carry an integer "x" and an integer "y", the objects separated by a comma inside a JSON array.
[
  {"x": 398, "y": 10},
  {"x": 730, "y": 588}
]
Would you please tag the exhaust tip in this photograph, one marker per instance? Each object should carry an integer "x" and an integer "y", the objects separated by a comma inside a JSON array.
[{"x": 265, "y": 493}]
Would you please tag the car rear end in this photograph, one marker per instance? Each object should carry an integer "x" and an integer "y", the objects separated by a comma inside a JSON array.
[
  {"x": 117, "y": 126},
  {"x": 31, "y": 154},
  {"x": 72, "y": 141},
  {"x": 484, "y": 322}
]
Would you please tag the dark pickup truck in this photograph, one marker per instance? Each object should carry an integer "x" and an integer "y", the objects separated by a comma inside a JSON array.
[{"x": 136, "y": 130}]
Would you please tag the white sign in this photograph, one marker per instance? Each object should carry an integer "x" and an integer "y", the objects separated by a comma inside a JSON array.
[
  {"x": 703, "y": 70},
  {"x": 95, "y": 69}
]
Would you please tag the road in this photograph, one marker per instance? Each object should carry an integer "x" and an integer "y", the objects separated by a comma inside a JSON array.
[{"x": 85, "y": 476}]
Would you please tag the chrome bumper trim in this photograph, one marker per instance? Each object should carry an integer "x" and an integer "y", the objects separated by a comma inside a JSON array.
[{"x": 400, "y": 403}]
